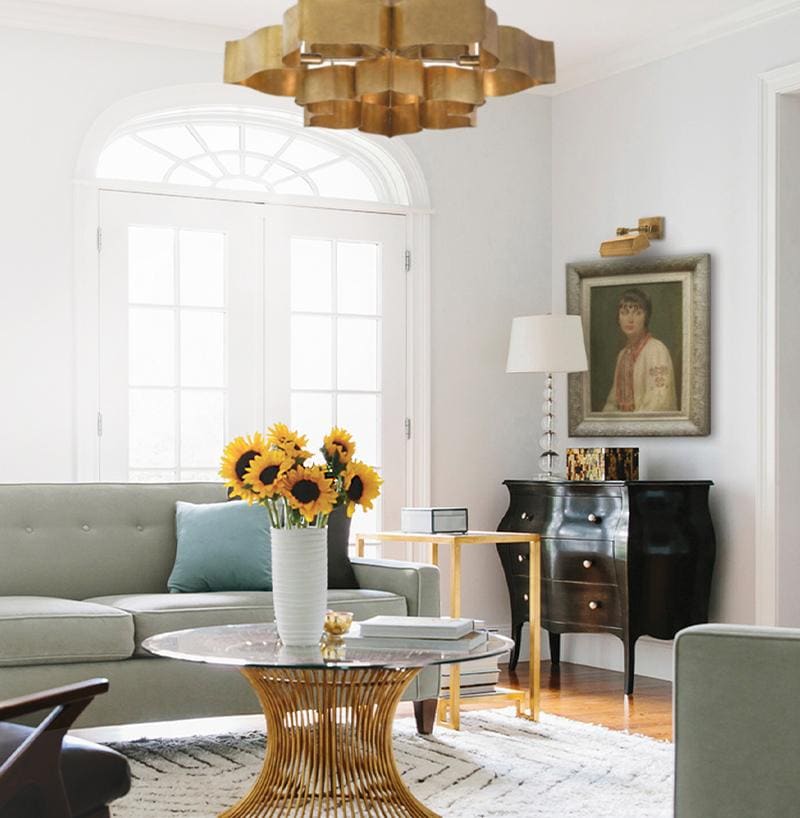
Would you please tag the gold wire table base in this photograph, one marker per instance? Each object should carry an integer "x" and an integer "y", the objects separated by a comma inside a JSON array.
[{"x": 329, "y": 745}]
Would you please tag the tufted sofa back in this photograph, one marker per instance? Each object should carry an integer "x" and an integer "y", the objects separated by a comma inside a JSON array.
[{"x": 79, "y": 540}]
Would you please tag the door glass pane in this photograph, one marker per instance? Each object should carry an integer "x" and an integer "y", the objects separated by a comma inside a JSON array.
[
  {"x": 311, "y": 275},
  {"x": 357, "y": 353},
  {"x": 152, "y": 476},
  {"x": 152, "y": 428},
  {"x": 366, "y": 522},
  {"x": 151, "y": 255},
  {"x": 202, "y": 348},
  {"x": 357, "y": 274},
  {"x": 311, "y": 352},
  {"x": 202, "y": 427},
  {"x": 199, "y": 476},
  {"x": 312, "y": 415},
  {"x": 151, "y": 347},
  {"x": 359, "y": 415},
  {"x": 202, "y": 262}
]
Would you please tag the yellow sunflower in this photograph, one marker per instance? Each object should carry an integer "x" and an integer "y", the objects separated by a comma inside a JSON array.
[
  {"x": 309, "y": 491},
  {"x": 264, "y": 473},
  {"x": 281, "y": 437},
  {"x": 236, "y": 459},
  {"x": 338, "y": 444},
  {"x": 362, "y": 484}
]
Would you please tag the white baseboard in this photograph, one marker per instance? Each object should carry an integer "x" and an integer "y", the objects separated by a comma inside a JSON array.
[{"x": 653, "y": 656}]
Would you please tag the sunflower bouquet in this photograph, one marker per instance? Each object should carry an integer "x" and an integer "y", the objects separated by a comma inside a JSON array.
[{"x": 274, "y": 472}]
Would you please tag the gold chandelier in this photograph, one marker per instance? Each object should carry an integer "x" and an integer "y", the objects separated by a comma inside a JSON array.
[{"x": 390, "y": 66}]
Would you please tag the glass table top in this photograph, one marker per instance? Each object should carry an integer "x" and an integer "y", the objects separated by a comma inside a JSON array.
[{"x": 258, "y": 646}]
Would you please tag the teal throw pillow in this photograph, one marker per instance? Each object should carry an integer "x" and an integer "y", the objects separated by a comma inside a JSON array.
[{"x": 221, "y": 547}]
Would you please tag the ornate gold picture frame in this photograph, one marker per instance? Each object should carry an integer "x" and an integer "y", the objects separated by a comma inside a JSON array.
[{"x": 646, "y": 326}]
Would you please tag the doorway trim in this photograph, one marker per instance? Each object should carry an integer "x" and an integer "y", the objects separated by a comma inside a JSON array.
[{"x": 772, "y": 85}]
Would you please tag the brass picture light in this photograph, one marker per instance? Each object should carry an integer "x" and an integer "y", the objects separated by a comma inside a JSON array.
[{"x": 631, "y": 241}]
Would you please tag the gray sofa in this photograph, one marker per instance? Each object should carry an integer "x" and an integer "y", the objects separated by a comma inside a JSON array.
[
  {"x": 737, "y": 722},
  {"x": 83, "y": 572}
]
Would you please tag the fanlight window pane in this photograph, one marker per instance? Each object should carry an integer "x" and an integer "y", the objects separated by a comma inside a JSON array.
[
  {"x": 311, "y": 275},
  {"x": 304, "y": 154},
  {"x": 241, "y": 184},
  {"x": 207, "y": 164},
  {"x": 178, "y": 140},
  {"x": 151, "y": 347},
  {"x": 152, "y": 428},
  {"x": 202, "y": 276},
  {"x": 357, "y": 272},
  {"x": 202, "y": 427},
  {"x": 311, "y": 352},
  {"x": 151, "y": 254},
  {"x": 260, "y": 140},
  {"x": 219, "y": 137},
  {"x": 294, "y": 186},
  {"x": 202, "y": 348},
  {"x": 128, "y": 159},
  {"x": 186, "y": 176},
  {"x": 344, "y": 180},
  {"x": 277, "y": 173}
]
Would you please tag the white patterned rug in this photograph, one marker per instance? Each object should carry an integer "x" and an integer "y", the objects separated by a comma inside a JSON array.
[{"x": 497, "y": 765}]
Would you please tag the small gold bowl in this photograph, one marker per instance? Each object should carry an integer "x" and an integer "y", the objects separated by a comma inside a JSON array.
[{"x": 337, "y": 623}]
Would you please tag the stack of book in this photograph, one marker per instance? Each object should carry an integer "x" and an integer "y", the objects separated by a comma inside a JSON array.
[
  {"x": 418, "y": 633},
  {"x": 478, "y": 677}
]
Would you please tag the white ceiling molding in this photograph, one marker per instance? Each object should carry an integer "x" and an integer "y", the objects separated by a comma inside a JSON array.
[
  {"x": 667, "y": 44},
  {"x": 131, "y": 28},
  {"x": 82, "y": 21}
]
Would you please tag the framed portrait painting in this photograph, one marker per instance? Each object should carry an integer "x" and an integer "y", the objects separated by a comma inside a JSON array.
[{"x": 646, "y": 327}]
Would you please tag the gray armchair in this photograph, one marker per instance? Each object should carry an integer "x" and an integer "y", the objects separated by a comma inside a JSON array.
[{"x": 737, "y": 722}]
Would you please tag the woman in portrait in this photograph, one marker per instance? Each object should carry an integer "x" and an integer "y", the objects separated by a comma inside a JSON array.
[{"x": 644, "y": 378}]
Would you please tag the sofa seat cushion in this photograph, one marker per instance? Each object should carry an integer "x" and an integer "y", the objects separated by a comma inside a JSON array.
[
  {"x": 41, "y": 630},
  {"x": 159, "y": 613}
]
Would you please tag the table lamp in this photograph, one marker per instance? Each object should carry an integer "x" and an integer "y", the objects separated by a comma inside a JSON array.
[{"x": 547, "y": 343}]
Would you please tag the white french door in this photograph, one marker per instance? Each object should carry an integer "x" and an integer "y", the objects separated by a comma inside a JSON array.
[
  {"x": 219, "y": 318},
  {"x": 180, "y": 339},
  {"x": 342, "y": 309}
]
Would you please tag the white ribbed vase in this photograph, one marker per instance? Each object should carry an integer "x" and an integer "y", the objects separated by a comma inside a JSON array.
[{"x": 300, "y": 583}]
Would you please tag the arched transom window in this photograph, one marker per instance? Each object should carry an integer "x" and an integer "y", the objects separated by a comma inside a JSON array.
[{"x": 235, "y": 152}]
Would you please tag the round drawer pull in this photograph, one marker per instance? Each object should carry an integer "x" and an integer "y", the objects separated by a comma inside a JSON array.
[
  {"x": 520, "y": 558},
  {"x": 525, "y": 597},
  {"x": 593, "y": 606},
  {"x": 587, "y": 563},
  {"x": 593, "y": 518},
  {"x": 526, "y": 515}
]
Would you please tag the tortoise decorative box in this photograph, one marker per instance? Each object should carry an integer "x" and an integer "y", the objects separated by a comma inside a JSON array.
[{"x": 603, "y": 464}]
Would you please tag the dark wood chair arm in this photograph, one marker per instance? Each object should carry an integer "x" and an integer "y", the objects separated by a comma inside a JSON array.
[{"x": 80, "y": 691}]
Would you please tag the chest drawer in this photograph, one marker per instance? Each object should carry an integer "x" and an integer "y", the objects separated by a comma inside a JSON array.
[
  {"x": 577, "y": 603},
  {"x": 586, "y": 517},
  {"x": 579, "y": 561}
]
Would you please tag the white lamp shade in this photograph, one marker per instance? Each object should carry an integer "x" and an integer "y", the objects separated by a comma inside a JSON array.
[{"x": 547, "y": 343}]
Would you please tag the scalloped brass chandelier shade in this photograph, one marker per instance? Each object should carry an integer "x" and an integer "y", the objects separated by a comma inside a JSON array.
[{"x": 390, "y": 66}]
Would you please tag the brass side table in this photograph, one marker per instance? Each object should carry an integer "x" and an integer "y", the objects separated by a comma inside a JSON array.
[{"x": 448, "y": 712}]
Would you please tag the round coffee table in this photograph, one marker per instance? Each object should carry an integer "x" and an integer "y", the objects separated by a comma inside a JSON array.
[{"x": 329, "y": 713}]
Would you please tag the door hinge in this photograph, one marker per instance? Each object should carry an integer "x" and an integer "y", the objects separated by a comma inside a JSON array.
[
  {"x": 408, "y": 261},
  {"x": 99, "y": 424},
  {"x": 408, "y": 428},
  {"x": 99, "y": 238}
]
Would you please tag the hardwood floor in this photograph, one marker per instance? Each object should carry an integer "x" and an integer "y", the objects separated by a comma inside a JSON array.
[{"x": 594, "y": 695}]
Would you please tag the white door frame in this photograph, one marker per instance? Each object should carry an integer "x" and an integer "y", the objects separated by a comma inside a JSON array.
[{"x": 773, "y": 84}]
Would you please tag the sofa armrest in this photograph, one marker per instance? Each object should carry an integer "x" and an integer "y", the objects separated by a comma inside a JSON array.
[
  {"x": 417, "y": 582},
  {"x": 736, "y": 721}
]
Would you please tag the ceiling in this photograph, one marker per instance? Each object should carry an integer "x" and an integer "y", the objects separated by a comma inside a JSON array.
[{"x": 588, "y": 33}]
